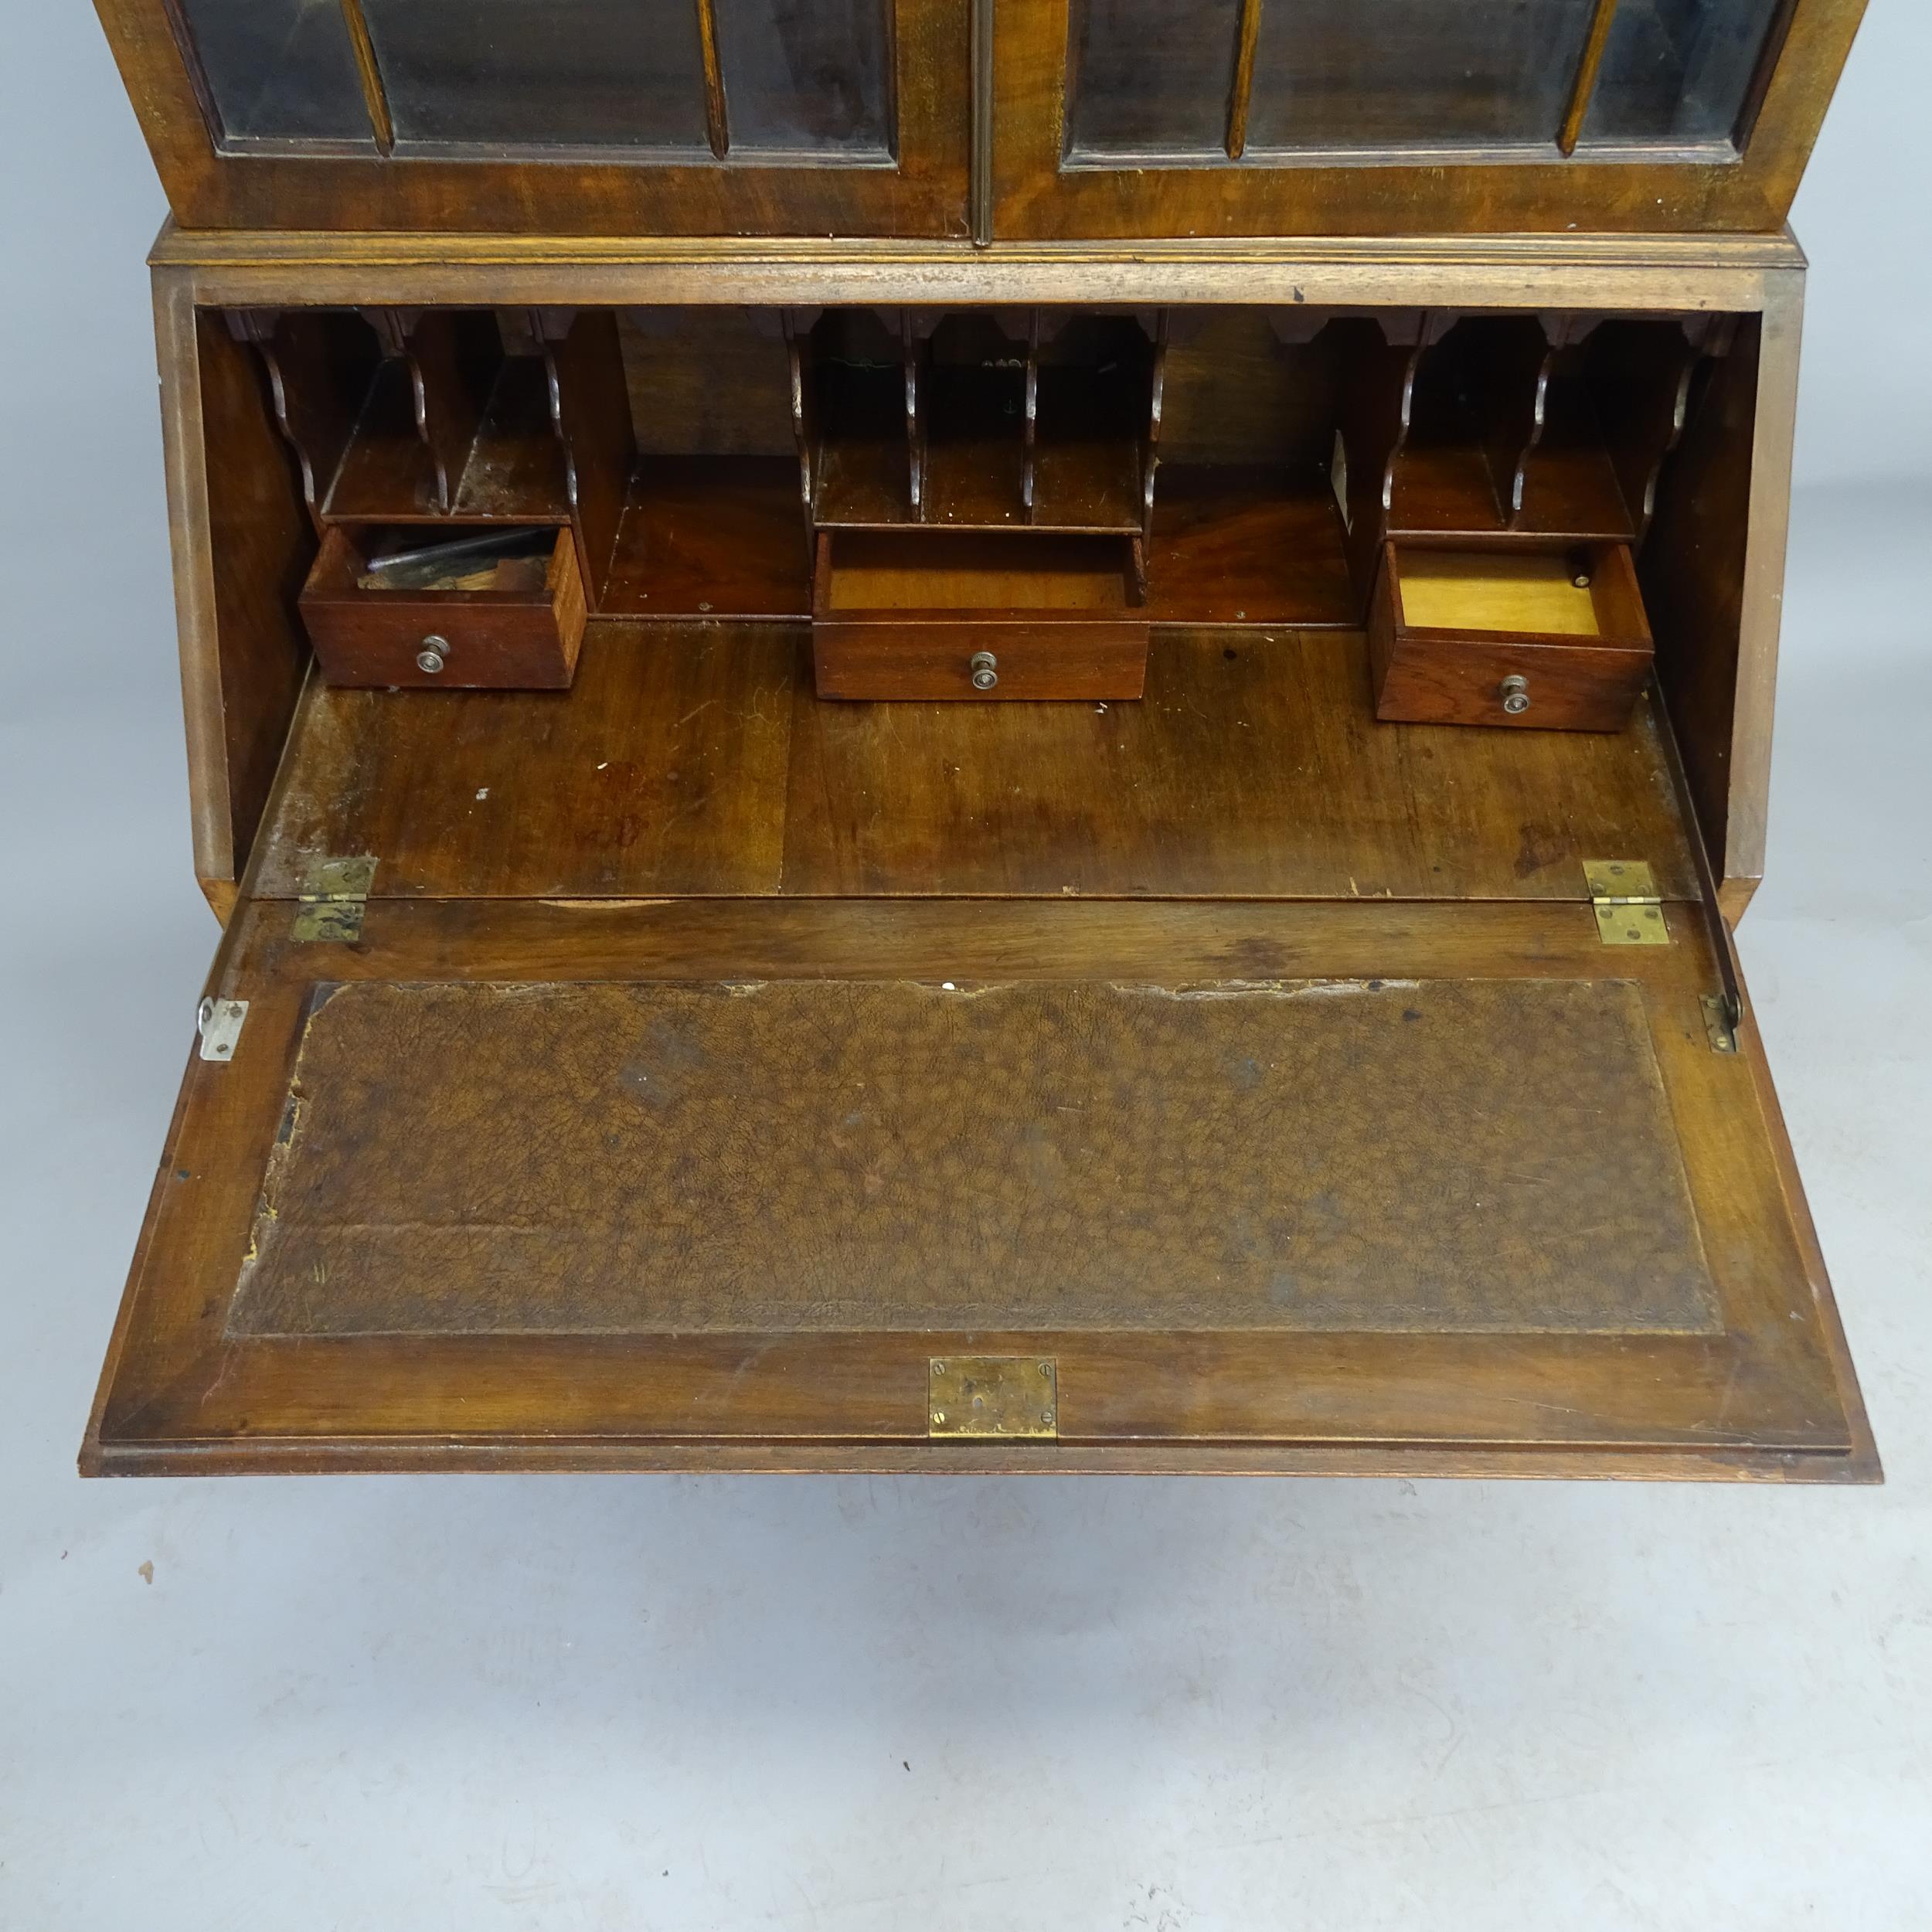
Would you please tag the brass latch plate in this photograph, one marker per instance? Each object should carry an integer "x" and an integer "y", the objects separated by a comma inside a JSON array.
[
  {"x": 334, "y": 897},
  {"x": 1004, "y": 1397},
  {"x": 1623, "y": 892}
]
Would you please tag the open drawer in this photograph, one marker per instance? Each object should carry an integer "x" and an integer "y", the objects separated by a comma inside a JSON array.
[
  {"x": 1006, "y": 1166},
  {"x": 496, "y": 608},
  {"x": 944, "y": 613},
  {"x": 1542, "y": 636}
]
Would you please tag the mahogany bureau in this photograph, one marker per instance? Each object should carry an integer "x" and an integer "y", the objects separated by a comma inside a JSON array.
[{"x": 973, "y": 735}]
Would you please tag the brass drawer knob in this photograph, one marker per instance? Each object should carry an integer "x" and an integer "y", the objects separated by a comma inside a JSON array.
[
  {"x": 431, "y": 657},
  {"x": 986, "y": 669},
  {"x": 1515, "y": 692}
]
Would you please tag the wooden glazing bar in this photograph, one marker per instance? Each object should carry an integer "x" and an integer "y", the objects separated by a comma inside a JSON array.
[
  {"x": 196, "y": 70},
  {"x": 1587, "y": 69},
  {"x": 1767, "y": 63},
  {"x": 375, "y": 96},
  {"x": 1243, "y": 88},
  {"x": 717, "y": 127}
]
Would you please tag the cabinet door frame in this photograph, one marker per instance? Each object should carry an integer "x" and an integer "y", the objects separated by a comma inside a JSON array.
[
  {"x": 922, "y": 192},
  {"x": 1037, "y": 195}
]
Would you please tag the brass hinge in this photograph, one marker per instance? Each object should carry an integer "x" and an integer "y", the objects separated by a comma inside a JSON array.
[
  {"x": 1624, "y": 894},
  {"x": 334, "y": 896},
  {"x": 1005, "y": 1397}
]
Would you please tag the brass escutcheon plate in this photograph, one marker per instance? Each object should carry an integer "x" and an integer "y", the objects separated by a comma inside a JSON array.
[{"x": 1002, "y": 1397}]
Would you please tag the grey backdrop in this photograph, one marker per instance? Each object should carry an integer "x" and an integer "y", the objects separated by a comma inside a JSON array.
[{"x": 856, "y": 1706}]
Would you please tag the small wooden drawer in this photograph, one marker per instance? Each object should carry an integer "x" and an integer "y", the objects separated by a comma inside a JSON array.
[
  {"x": 943, "y": 613},
  {"x": 1550, "y": 638},
  {"x": 515, "y": 624}
]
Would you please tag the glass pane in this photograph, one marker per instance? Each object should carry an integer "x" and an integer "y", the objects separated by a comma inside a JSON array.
[
  {"x": 1415, "y": 73},
  {"x": 1150, "y": 77},
  {"x": 1678, "y": 70},
  {"x": 280, "y": 69},
  {"x": 806, "y": 74},
  {"x": 596, "y": 72}
]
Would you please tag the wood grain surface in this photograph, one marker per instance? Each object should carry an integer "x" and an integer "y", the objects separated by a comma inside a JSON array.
[
  {"x": 1765, "y": 1391},
  {"x": 700, "y": 761}
]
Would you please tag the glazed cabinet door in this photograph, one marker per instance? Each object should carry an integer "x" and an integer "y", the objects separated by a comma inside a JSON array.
[
  {"x": 1183, "y": 117},
  {"x": 665, "y": 116}
]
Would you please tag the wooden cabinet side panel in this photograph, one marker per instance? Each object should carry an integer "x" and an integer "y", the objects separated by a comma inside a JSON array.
[
  {"x": 1761, "y": 613},
  {"x": 1713, "y": 577},
  {"x": 242, "y": 545}
]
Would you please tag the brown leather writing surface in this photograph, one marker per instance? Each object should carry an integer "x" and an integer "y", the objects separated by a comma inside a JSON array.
[{"x": 1484, "y": 1156}]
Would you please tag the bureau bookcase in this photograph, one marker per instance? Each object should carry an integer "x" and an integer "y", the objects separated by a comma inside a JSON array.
[{"x": 1018, "y": 735}]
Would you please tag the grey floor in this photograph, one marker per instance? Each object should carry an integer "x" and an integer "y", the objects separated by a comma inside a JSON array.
[{"x": 857, "y": 1706}]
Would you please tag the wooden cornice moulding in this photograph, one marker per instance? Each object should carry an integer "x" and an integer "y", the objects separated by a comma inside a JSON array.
[
  {"x": 1660, "y": 275},
  {"x": 177, "y": 246}
]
